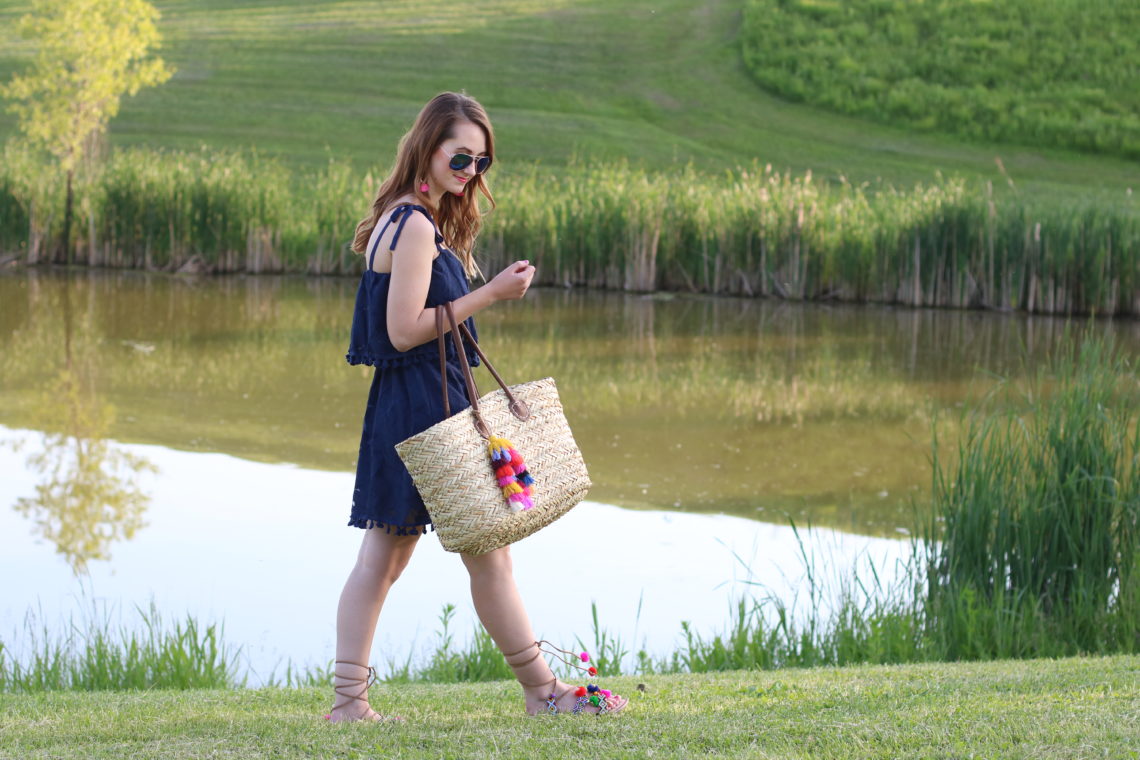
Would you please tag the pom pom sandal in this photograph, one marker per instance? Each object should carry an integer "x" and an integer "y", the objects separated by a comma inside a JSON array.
[
  {"x": 365, "y": 684},
  {"x": 587, "y": 696}
]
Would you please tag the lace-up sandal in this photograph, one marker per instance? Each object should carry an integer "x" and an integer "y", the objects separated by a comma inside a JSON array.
[
  {"x": 365, "y": 684},
  {"x": 586, "y": 695}
]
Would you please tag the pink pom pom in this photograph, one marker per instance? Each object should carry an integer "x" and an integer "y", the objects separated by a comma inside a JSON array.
[
  {"x": 503, "y": 482},
  {"x": 606, "y": 693},
  {"x": 585, "y": 657}
]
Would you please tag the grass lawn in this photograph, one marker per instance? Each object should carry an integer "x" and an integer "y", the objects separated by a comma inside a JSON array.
[
  {"x": 656, "y": 81},
  {"x": 1070, "y": 708}
]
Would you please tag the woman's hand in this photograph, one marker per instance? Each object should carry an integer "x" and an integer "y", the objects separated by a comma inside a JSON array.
[{"x": 512, "y": 283}]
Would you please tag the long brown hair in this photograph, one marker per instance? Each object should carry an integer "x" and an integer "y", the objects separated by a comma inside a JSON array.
[{"x": 458, "y": 217}]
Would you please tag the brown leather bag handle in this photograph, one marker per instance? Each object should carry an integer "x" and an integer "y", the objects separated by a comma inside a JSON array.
[
  {"x": 458, "y": 332},
  {"x": 442, "y": 360}
]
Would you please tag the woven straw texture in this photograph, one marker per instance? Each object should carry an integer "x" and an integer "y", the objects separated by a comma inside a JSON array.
[{"x": 451, "y": 468}]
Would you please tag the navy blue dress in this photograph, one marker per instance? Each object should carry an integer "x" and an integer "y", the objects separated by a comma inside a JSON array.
[{"x": 405, "y": 397}]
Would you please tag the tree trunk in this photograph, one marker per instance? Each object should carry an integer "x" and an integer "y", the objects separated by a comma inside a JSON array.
[{"x": 67, "y": 220}]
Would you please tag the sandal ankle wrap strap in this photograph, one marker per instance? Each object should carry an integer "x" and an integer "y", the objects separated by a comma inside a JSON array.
[
  {"x": 587, "y": 695},
  {"x": 367, "y": 681}
]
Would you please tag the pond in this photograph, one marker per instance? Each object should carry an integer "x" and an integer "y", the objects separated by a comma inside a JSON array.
[{"x": 191, "y": 442}]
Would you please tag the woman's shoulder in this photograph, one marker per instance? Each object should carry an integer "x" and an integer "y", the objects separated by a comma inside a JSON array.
[
  {"x": 419, "y": 220},
  {"x": 418, "y": 233},
  {"x": 411, "y": 215},
  {"x": 404, "y": 226}
]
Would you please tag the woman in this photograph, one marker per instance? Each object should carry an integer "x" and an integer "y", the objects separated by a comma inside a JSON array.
[{"x": 418, "y": 241}]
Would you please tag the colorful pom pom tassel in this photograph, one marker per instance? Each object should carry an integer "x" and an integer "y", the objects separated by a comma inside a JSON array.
[{"x": 511, "y": 474}]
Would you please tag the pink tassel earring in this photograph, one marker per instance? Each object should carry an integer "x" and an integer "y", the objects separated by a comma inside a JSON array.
[{"x": 424, "y": 187}]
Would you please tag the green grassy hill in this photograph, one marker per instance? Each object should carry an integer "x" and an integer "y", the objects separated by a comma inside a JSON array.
[
  {"x": 658, "y": 81},
  {"x": 1043, "y": 72}
]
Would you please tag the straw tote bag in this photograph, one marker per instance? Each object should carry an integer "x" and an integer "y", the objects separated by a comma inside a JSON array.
[{"x": 499, "y": 470}]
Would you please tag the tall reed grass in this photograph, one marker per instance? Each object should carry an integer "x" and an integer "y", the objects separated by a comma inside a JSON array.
[
  {"x": 480, "y": 660},
  {"x": 1036, "y": 532},
  {"x": 92, "y": 653},
  {"x": 752, "y": 232}
]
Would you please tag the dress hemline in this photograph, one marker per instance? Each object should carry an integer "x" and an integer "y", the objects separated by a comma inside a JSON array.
[{"x": 401, "y": 530}]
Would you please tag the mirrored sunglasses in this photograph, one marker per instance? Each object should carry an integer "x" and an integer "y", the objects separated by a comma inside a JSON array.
[{"x": 460, "y": 161}]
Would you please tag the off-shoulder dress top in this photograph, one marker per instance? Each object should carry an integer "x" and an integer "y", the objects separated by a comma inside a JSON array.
[{"x": 405, "y": 397}]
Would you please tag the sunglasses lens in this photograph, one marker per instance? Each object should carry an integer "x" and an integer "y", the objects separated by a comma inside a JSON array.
[{"x": 461, "y": 161}]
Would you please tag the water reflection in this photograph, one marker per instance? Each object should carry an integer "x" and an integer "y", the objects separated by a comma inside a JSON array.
[
  {"x": 264, "y": 549},
  {"x": 87, "y": 496},
  {"x": 680, "y": 402}
]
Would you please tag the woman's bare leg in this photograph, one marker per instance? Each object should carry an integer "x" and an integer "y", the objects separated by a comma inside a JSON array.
[
  {"x": 381, "y": 559},
  {"x": 501, "y": 610}
]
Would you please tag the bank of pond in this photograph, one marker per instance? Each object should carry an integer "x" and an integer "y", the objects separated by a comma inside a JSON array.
[{"x": 755, "y": 231}]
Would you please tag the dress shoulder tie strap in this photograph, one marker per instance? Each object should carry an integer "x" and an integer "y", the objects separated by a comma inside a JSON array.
[{"x": 400, "y": 216}]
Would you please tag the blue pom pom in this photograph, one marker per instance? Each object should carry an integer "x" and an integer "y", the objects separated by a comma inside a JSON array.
[{"x": 592, "y": 688}]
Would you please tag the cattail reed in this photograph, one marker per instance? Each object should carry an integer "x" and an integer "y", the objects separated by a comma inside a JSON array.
[{"x": 751, "y": 232}]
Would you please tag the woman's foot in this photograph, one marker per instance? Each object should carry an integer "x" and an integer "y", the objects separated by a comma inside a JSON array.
[
  {"x": 544, "y": 692},
  {"x": 566, "y": 698},
  {"x": 347, "y": 714},
  {"x": 351, "y": 686}
]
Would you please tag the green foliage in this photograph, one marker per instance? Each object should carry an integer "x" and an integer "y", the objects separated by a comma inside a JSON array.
[
  {"x": 752, "y": 231},
  {"x": 90, "y": 53},
  {"x": 853, "y": 617},
  {"x": 607, "y": 652},
  {"x": 94, "y": 655},
  {"x": 480, "y": 661},
  {"x": 649, "y": 81},
  {"x": 1049, "y": 73},
  {"x": 1037, "y": 527},
  {"x": 31, "y": 202}
]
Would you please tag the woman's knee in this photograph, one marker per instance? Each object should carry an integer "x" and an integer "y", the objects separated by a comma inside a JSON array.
[
  {"x": 384, "y": 555},
  {"x": 497, "y": 562}
]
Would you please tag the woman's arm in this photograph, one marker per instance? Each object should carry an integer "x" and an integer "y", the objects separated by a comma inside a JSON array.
[{"x": 409, "y": 323}]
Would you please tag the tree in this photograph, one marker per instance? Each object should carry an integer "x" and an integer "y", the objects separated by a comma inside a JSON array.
[{"x": 90, "y": 53}]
